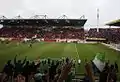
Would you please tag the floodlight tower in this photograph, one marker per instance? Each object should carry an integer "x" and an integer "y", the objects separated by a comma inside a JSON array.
[{"x": 97, "y": 20}]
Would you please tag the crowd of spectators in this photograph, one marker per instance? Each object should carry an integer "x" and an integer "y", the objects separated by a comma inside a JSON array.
[
  {"x": 111, "y": 34},
  {"x": 109, "y": 73},
  {"x": 66, "y": 33},
  {"x": 48, "y": 70},
  {"x": 46, "y": 33},
  {"x": 15, "y": 32},
  {"x": 39, "y": 71}
]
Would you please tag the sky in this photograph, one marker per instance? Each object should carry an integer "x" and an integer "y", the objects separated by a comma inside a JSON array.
[{"x": 108, "y": 9}]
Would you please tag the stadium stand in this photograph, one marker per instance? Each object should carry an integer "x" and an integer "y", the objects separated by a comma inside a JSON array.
[
  {"x": 110, "y": 34},
  {"x": 62, "y": 33}
]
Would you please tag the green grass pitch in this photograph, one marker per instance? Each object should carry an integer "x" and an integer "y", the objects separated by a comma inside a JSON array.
[{"x": 56, "y": 50}]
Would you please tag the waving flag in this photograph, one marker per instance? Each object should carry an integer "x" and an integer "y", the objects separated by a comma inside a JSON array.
[{"x": 99, "y": 61}]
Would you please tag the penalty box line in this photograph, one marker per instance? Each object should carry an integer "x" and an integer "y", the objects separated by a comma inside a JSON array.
[{"x": 77, "y": 51}]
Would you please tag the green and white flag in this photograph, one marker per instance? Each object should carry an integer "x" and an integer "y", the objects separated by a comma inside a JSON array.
[{"x": 99, "y": 61}]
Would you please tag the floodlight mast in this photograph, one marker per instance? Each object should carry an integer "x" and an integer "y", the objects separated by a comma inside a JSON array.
[{"x": 97, "y": 20}]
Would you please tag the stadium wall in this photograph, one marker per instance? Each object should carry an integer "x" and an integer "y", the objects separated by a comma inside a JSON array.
[{"x": 47, "y": 40}]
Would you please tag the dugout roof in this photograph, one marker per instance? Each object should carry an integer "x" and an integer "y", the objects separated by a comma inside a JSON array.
[
  {"x": 114, "y": 23},
  {"x": 44, "y": 22}
]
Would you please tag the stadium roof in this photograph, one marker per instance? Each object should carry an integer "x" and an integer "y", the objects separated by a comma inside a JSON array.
[
  {"x": 114, "y": 23},
  {"x": 44, "y": 22}
]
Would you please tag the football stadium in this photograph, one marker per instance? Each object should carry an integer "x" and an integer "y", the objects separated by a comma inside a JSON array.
[{"x": 37, "y": 48}]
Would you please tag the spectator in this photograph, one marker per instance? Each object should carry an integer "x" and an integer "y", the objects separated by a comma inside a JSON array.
[
  {"x": 38, "y": 77},
  {"x": 103, "y": 76},
  {"x": 89, "y": 72},
  {"x": 52, "y": 71},
  {"x": 20, "y": 78},
  {"x": 46, "y": 76},
  {"x": 116, "y": 67},
  {"x": 26, "y": 71},
  {"x": 8, "y": 70},
  {"x": 18, "y": 66},
  {"x": 57, "y": 75},
  {"x": 86, "y": 78},
  {"x": 112, "y": 74},
  {"x": 65, "y": 71}
]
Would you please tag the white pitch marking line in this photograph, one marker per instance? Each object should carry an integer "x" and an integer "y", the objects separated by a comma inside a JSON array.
[{"x": 77, "y": 51}]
